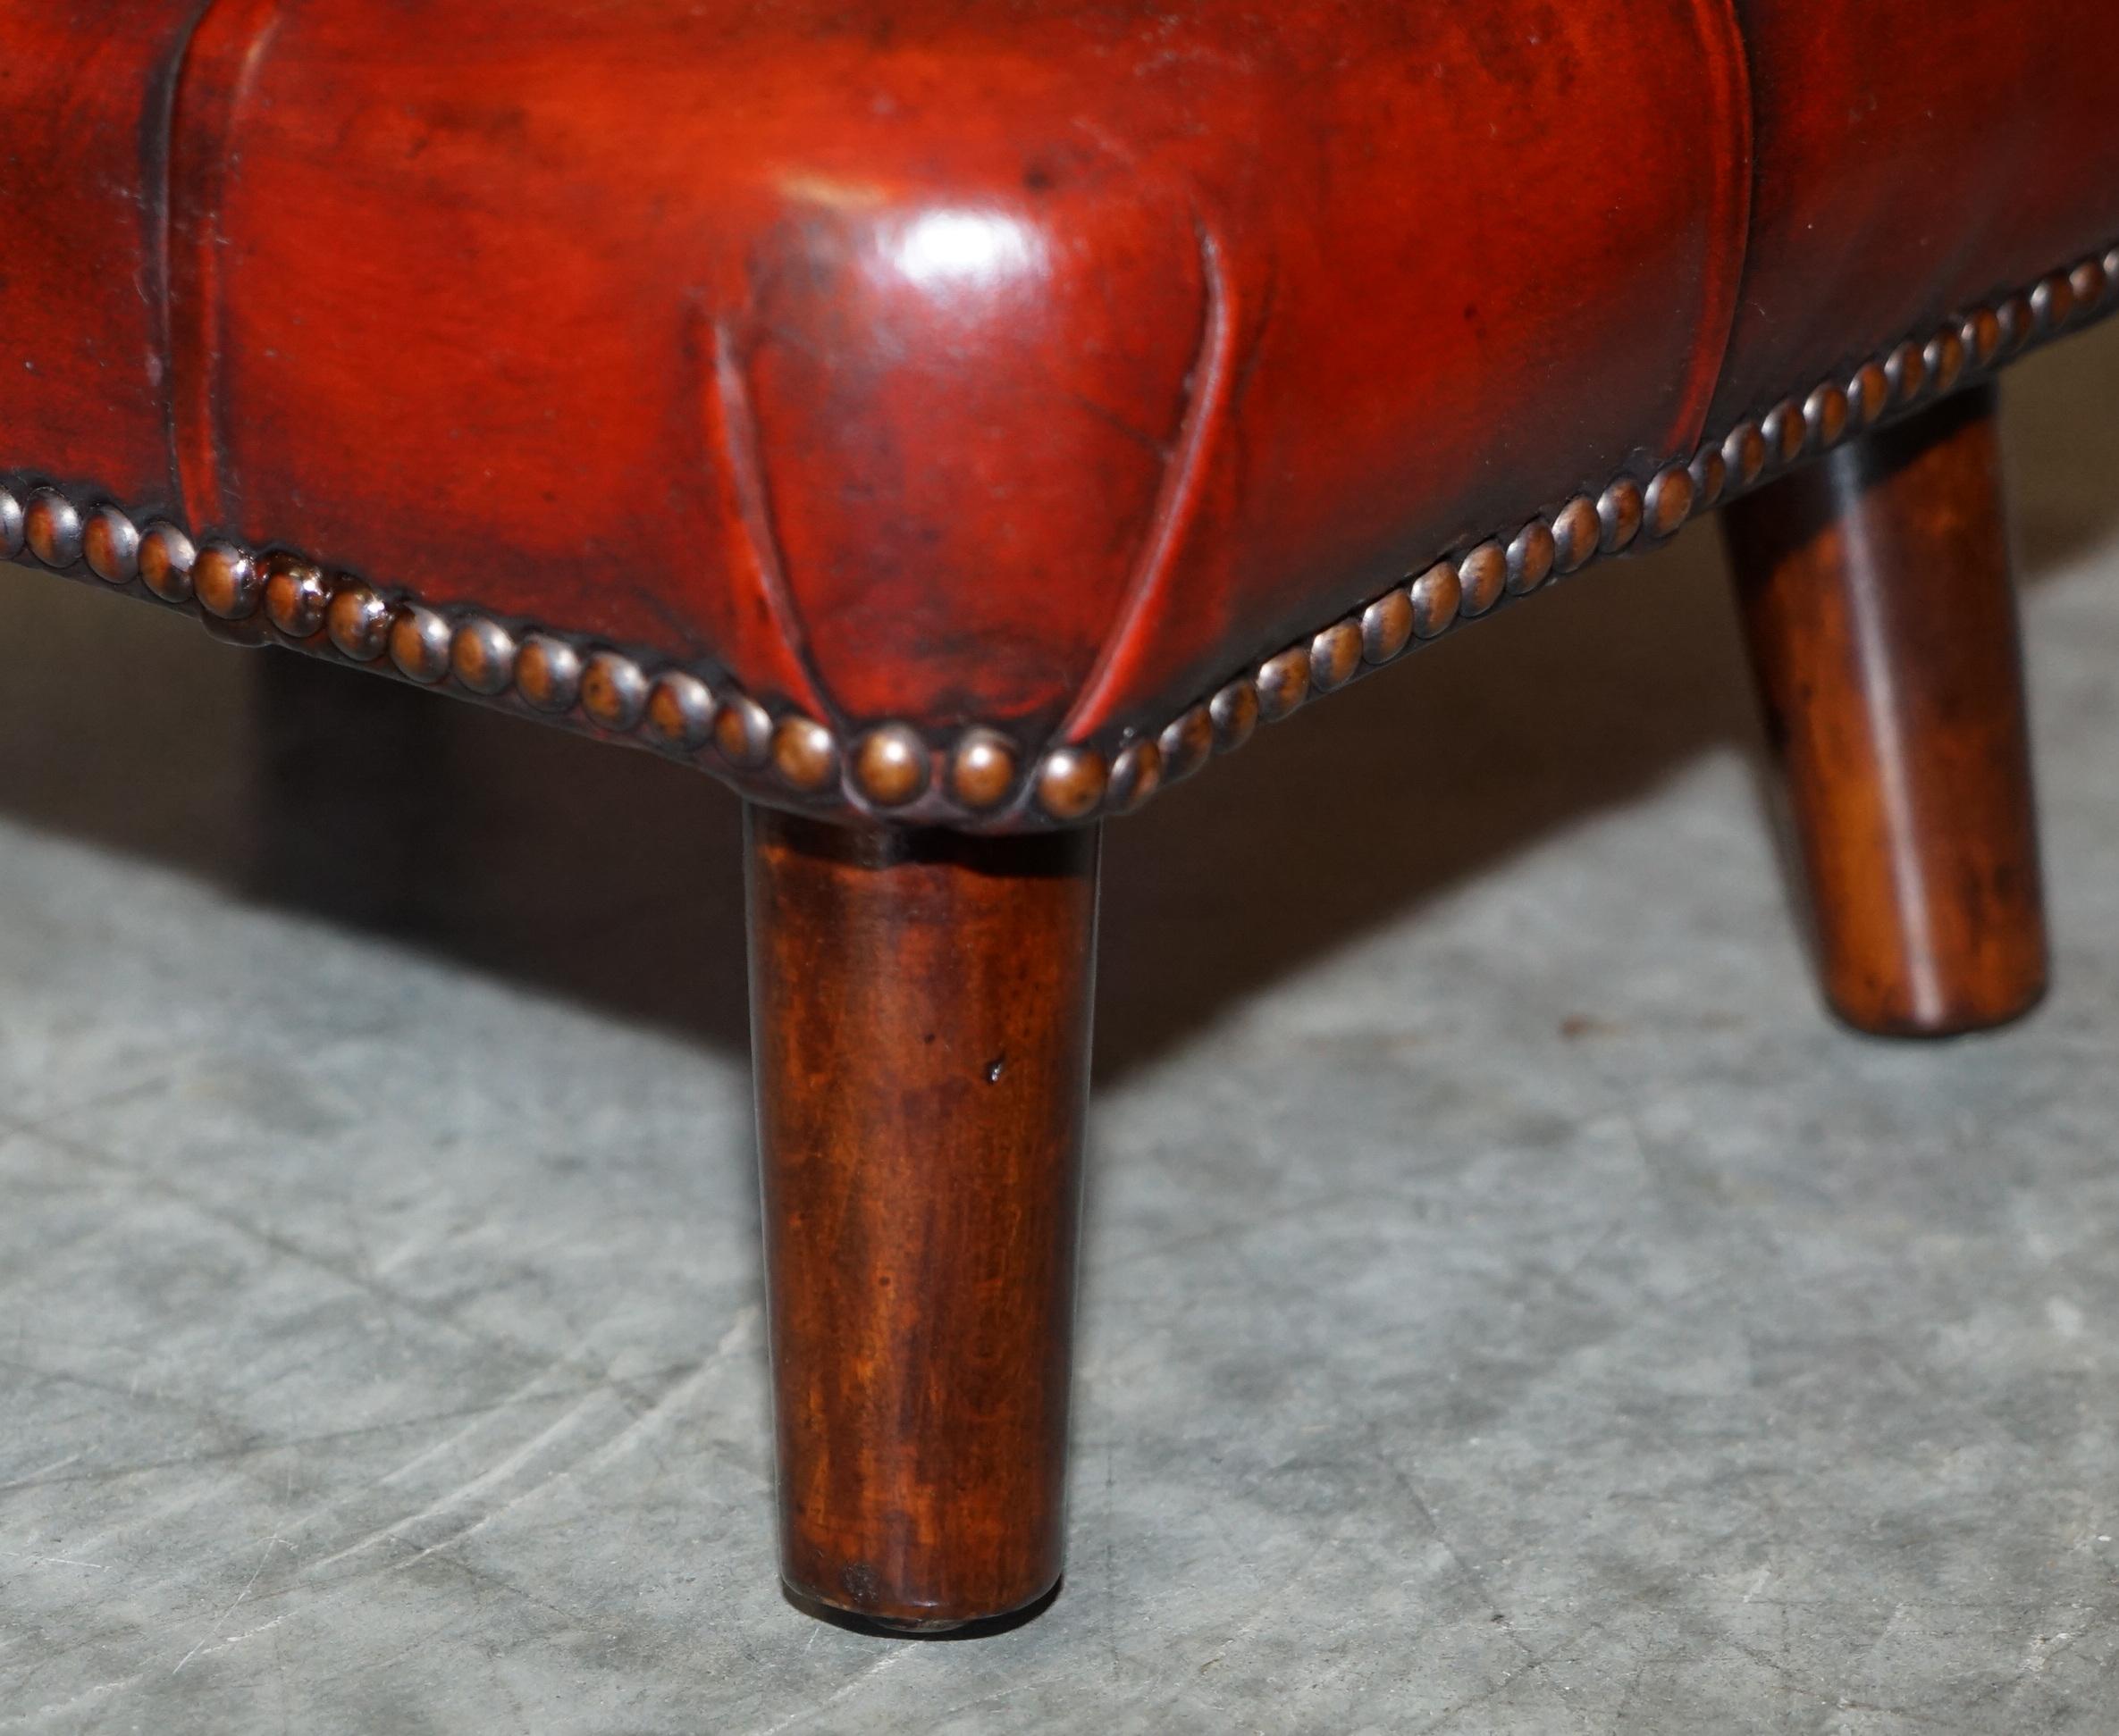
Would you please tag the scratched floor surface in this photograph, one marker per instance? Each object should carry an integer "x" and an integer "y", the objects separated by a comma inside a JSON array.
[{"x": 1510, "y": 1306}]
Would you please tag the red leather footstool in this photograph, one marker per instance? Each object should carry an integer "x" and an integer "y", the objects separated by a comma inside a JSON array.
[{"x": 949, "y": 422}]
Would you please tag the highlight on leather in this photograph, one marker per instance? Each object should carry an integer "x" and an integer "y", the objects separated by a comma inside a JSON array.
[
  {"x": 980, "y": 779},
  {"x": 931, "y": 419}
]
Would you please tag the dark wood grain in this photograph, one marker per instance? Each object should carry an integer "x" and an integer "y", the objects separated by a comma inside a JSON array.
[
  {"x": 1876, "y": 597},
  {"x": 920, "y": 1016}
]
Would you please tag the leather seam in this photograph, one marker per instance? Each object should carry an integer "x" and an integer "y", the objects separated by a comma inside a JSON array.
[
  {"x": 655, "y": 701},
  {"x": 1177, "y": 502}
]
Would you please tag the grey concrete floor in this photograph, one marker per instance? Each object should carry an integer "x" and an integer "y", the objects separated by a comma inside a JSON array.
[{"x": 1510, "y": 1305}]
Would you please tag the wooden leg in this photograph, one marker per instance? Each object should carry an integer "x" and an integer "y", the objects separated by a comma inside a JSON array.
[
  {"x": 1876, "y": 592},
  {"x": 920, "y": 1007}
]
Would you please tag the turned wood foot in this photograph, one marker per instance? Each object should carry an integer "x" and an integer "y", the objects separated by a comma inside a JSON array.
[
  {"x": 1876, "y": 592},
  {"x": 920, "y": 1007}
]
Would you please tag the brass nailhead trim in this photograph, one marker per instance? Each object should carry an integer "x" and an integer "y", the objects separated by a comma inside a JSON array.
[
  {"x": 481, "y": 657},
  {"x": 982, "y": 770},
  {"x": 613, "y": 691},
  {"x": 52, "y": 528},
  {"x": 1070, "y": 782},
  {"x": 1868, "y": 393},
  {"x": 111, "y": 545},
  {"x": 891, "y": 765},
  {"x": 804, "y": 754},
  {"x": 547, "y": 671},
  {"x": 1577, "y": 530},
  {"x": 743, "y": 731},
  {"x": 1532, "y": 553},
  {"x": 680, "y": 711},
  {"x": 1744, "y": 451},
  {"x": 1625, "y": 511},
  {"x": 1187, "y": 744},
  {"x": 1136, "y": 776},
  {"x": 419, "y": 645},
  {"x": 1437, "y": 595},
  {"x": 1235, "y": 714},
  {"x": 1710, "y": 474},
  {"x": 297, "y": 597},
  {"x": 1336, "y": 657},
  {"x": 1784, "y": 431},
  {"x": 892, "y": 768},
  {"x": 1669, "y": 502},
  {"x": 1825, "y": 414},
  {"x": 1283, "y": 683},
  {"x": 1484, "y": 576},
  {"x": 227, "y": 583},
  {"x": 359, "y": 622},
  {"x": 1386, "y": 626},
  {"x": 1619, "y": 510}
]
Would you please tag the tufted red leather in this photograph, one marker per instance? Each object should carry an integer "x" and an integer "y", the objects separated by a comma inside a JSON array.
[{"x": 1033, "y": 364}]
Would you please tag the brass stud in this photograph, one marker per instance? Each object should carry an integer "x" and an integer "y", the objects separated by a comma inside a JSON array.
[
  {"x": 2089, "y": 282},
  {"x": 1283, "y": 683},
  {"x": 227, "y": 582},
  {"x": 743, "y": 731},
  {"x": 1783, "y": 431},
  {"x": 1136, "y": 776},
  {"x": 1188, "y": 743},
  {"x": 1710, "y": 471},
  {"x": 1437, "y": 595},
  {"x": 1868, "y": 393},
  {"x": 547, "y": 670},
  {"x": 52, "y": 527},
  {"x": 482, "y": 656},
  {"x": 1982, "y": 333},
  {"x": 11, "y": 525},
  {"x": 1824, "y": 414},
  {"x": 1334, "y": 657},
  {"x": 1532, "y": 551},
  {"x": 1576, "y": 532},
  {"x": 1906, "y": 369},
  {"x": 982, "y": 769},
  {"x": 1235, "y": 714},
  {"x": 2052, "y": 305},
  {"x": 295, "y": 596},
  {"x": 2014, "y": 314},
  {"x": 165, "y": 559},
  {"x": 2111, "y": 265},
  {"x": 1484, "y": 573},
  {"x": 1944, "y": 358},
  {"x": 1668, "y": 502},
  {"x": 1619, "y": 511},
  {"x": 680, "y": 711},
  {"x": 110, "y": 544},
  {"x": 613, "y": 691},
  {"x": 358, "y": 621},
  {"x": 1070, "y": 782},
  {"x": 418, "y": 643},
  {"x": 1744, "y": 451},
  {"x": 1386, "y": 629},
  {"x": 804, "y": 754}
]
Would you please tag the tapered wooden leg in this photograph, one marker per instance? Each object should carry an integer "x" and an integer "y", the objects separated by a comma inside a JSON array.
[
  {"x": 1876, "y": 593},
  {"x": 920, "y": 1007}
]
